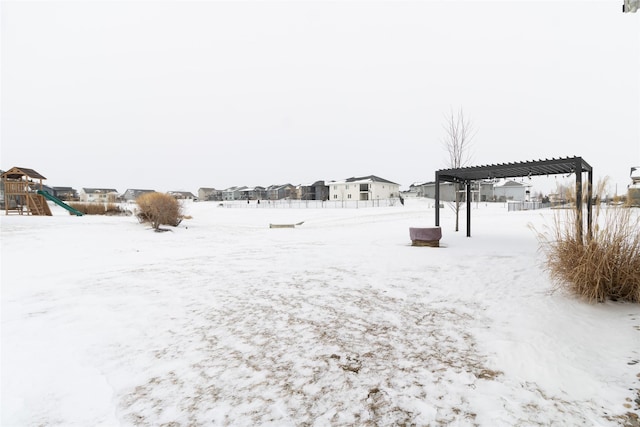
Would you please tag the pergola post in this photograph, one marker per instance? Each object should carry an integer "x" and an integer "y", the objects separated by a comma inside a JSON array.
[
  {"x": 578, "y": 172},
  {"x": 589, "y": 202},
  {"x": 437, "y": 199},
  {"x": 468, "y": 189}
]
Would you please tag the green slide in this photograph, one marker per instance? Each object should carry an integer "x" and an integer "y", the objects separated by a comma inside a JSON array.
[{"x": 59, "y": 202}]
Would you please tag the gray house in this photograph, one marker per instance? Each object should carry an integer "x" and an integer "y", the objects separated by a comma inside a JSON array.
[
  {"x": 482, "y": 189},
  {"x": 316, "y": 191},
  {"x": 205, "y": 193},
  {"x": 278, "y": 192},
  {"x": 65, "y": 193},
  {"x": 255, "y": 193},
  {"x": 133, "y": 193}
]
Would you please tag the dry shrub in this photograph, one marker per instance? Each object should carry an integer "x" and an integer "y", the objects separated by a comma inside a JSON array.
[
  {"x": 98, "y": 208},
  {"x": 159, "y": 209},
  {"x": 605, "y": 265}
]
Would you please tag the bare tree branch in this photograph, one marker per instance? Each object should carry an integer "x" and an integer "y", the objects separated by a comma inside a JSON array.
[{"x": 459, "y": 133}]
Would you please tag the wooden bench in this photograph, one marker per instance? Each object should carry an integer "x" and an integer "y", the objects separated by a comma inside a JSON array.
[
  {"x": 285, "y": 225},
  {"x": 427, "y": 236}
]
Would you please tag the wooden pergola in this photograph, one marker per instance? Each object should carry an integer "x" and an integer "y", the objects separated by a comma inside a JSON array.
[
  {"x": 20, "y": 192},
  {"x": 562, "y": 166}
]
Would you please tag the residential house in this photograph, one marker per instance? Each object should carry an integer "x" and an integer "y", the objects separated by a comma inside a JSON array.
[
  {"x": 205, "y": 193},
  {"x": 417, "y": 189},
  {"x": 182, "y": 195},
  {"x": 279, "y": 192},
  {"x": 255, "y": 193},
  {"x": 512, "y": 190},
  {"x": 133, "y": 193},
  {"x": 633, "y": 195},
  {"x": 65, "y": 193},
  {"x": 45, "y": 188},
  {"x": 103, "y": 195},
  {"x": 316, "y": 191},
  {"x": 232, "y": 193},
  {"x": 482, "y": 189},
  {"x": 363, "y": 188}
]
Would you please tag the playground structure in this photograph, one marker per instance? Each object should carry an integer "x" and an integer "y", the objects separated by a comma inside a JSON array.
[{"x": 24, "y": 193}]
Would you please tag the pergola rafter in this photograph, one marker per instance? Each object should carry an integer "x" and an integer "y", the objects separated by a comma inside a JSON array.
[{"x": 561, "y": 166}]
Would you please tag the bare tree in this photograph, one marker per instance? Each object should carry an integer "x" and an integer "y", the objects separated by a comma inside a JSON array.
[{"x": 457, "y": 141}]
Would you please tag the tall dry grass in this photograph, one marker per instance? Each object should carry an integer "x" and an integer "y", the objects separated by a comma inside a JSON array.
[
  {"x": 605, "y": 265},
  {"x": 98, "y": 208}
]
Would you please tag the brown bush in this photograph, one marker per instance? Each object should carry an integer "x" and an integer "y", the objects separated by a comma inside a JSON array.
[
  {"x": 605, "y": 265},
  {"x": 98, "y": 208},
  {"x": 159, "y": 209}
]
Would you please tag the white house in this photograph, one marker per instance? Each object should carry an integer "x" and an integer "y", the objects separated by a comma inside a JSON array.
[
  {"x": 363, "y": 188},
  {"x": 512, "y": 190},
  {"x": 102, "y": 195}
]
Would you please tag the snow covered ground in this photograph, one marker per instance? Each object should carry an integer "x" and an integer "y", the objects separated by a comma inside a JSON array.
[{"x": 338, "y": 322}]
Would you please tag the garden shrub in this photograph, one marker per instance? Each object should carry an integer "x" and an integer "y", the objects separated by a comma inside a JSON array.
[
  {"x": 159, "y": 209},
  {"x": 605, "y": 265}
]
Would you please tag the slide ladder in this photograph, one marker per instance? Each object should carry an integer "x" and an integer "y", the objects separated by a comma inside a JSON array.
[
  {"x": 59, "y": 203},
  {"x": 37, "y": 205}
]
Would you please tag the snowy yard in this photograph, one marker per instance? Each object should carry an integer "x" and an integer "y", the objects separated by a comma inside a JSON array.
[{"x": 338, "y": 322}]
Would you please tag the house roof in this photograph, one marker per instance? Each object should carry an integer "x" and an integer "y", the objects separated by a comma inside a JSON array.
[
  {"x": 513, "y": 184},
  {"x": 511, "y": 170},
  {"x": 182, "y": 193},
  {"x": 372, "y": 178},
  {"x": 18, "y": 172}
]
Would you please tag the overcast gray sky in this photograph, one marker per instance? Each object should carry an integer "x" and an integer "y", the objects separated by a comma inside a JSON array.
[{"x": 181, "y": 95}]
